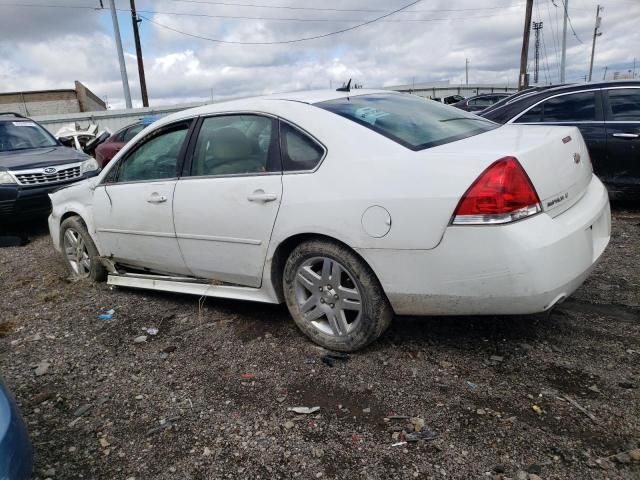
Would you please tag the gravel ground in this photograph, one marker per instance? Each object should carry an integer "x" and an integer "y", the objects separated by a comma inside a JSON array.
[{"x": 553, "y": 396}]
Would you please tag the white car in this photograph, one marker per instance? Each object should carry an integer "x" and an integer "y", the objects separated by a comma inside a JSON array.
[{"x": 348, "y": 206}]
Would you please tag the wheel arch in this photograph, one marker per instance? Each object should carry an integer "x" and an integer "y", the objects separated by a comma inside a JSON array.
[{"x": 284, "y": 249}]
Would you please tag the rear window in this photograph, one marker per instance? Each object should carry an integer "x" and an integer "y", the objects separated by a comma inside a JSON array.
[
  {"x": 23, "y": 135},
  {"x": 409, "y": 120}
]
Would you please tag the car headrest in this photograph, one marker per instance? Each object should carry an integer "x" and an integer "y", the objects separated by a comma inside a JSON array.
[{"x": 229, "y": 143}]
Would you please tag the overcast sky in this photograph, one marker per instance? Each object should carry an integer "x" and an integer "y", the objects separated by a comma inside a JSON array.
[{"x": 50, "y": 47}]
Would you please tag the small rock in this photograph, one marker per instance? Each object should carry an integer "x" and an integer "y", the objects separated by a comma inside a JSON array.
[
  {"x": 534, "y": 468},
  {"x": 72, "y": 449},
  {"x": 42, "y": 368},
  {"x": 288, "y": 424},
  {"x": 317, "y": 452},
  {"x": 206, "y": 452},
  {"x": 522, "y": 475},
  {"x": 496, "y": 358},
  {"x": 635, "y": 455},
  {"x": 82, "y": 410},
  {"x": 626, "y": 385},
  {"x": 139, "y": 397},
  {"x": 481, "y": 411},
  {"x": 418, "y": 423},
  {"x": 104, "y": 443},
  {"x": 533, "y": 476},
  {"x": 50, "y": 472},
  {"x": 140, "y": 339},
  {"x": 623, "y": 458},
  {"x": 594, "y": 388},
  {"x": 499, "y": 469},
  {"x": 169, "y": 349},
  {"x": 526, "y": 347},
  {"x": 366, "y": 410},
  {"x": 280, "y": 399}
]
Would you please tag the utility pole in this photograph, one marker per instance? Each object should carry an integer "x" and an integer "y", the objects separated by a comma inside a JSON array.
[
  {"x": 604, "y": 76},
  {"x": 136, "y": 36},
  {"x": 466, "y": 70},
  {"x": 596, "y": 33},
  {"x": 537, "y": 26},
  {"x": 563, "y": 58},
  {"x": 123, "y": 67},
  {"x": 523, "y": 80}
]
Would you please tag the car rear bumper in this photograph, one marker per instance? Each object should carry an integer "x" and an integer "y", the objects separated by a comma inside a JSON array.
[
  {"x": 19, "y": 203},
  {"x": 521, "y": 268},
  {"x": 15, "y": 448}
]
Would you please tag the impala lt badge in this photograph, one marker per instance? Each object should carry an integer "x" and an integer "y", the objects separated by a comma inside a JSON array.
[{"x": 576, "y": 157}]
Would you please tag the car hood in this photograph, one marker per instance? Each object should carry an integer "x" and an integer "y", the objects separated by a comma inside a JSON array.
[{"x": 40, "y": 157}]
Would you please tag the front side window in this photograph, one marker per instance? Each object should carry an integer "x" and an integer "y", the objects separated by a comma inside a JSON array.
[
  {"x": 23, "y": 135},
  {"x": 234, "y": 145},
  {"x": 157, "y": 158},
  {"x": 481, "y": 102},
  {"x": 625, "y": 104},
  {"x": 409, "y": 120},
  {"x": 575, "y": 107},
  {"x": 299, "y": 152},
  {"x": 531, "y": 116}
]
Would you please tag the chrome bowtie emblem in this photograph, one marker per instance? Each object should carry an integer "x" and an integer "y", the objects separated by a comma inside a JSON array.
[
  {"x": 50, "y": 170},
  {"x": 576, "y": 157}
]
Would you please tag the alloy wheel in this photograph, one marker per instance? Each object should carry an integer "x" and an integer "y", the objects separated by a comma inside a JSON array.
[
  {"x": 328, "y": 296},
  {"x": 77, "y": 253}
]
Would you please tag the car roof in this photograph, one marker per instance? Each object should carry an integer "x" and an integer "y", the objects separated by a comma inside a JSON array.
[
  {"x": 306, "y": 97},
  {"x": 11, "y": 116}
]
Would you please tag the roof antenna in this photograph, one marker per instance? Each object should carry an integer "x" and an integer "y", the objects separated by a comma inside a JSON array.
[{"x": 345, "y": 88}]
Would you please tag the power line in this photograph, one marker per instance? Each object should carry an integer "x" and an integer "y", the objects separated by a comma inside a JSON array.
[
  {"x": 297, "y": 40},
  {"x": 245, "y": 17},
  {"x": 327, "y": 9},
  {"x": 571, "y": 24}
]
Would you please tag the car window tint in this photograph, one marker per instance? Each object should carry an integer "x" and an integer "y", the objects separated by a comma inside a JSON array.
[
  {"x": 156, "y": 158},
  {"x": 407, "y": 119},
  {"x": 299, "y": 152},
  {"x": 625, "y": 104},
  {"x": 481, "y": 101},
  {"x": 533, "y": 115},
  {"x": 22, "y": 135},
  {"x": 575, "y": 107},
  {"x": 131, "y": 132},
  {"x": 232, "y": 145}
]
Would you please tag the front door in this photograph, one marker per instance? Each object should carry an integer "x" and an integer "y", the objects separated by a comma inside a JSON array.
[
  {"x": 623, "y": 139},
  {"x": 225, "y": 209},
  {"x": 133, "y": 208}
]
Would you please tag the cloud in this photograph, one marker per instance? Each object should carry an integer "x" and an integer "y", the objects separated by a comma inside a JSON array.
[{"x": 43, "y": 48}]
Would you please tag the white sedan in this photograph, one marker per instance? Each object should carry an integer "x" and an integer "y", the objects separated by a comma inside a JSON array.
[{"x": 348, "y": 206}]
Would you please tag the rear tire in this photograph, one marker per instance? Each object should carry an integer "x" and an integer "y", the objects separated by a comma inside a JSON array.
[
  {"x": 79, "y": 252},
  {"x": 334, "y": 297}
]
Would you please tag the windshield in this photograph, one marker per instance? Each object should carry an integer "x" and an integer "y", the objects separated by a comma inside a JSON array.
[
  {"x": 22, "y": 135},
  {"x": 409, "y": 120}
]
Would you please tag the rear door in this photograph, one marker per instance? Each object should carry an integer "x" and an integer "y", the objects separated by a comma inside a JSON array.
[
  {"x": 226, "y": 204},
  {"x": 133, "y": 207},
  {"x": 622, "y": 107},
  {"x": 581, "y": 109}
]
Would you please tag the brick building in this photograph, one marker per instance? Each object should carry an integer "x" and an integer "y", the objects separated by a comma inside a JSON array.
[{"x": 52, "y": 102}]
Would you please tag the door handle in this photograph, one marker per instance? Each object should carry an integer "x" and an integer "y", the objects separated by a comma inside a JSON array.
[
  {"x": 625, "y": 135},
  {"x": 155, "y": 198},
  {"x": 260, "y": 196}
]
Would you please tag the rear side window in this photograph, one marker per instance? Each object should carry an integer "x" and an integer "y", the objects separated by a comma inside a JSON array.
[
  {"x": 299, "y": 151},
  {"x": 533, "y": 115},
  {"x": 625, "y": 104},
  {"x": 409, "y": 120},
  {"x": 481, "y": 102}
]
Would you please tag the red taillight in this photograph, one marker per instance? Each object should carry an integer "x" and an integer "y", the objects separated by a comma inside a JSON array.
[{"x": 501, "y": 194}]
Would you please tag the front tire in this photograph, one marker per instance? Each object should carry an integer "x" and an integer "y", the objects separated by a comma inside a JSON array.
[
  {"x": 79, "y": 252},
  {"x": 334, "y": 297}
]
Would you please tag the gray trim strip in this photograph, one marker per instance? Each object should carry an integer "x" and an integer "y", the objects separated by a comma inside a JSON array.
[
  {"x": 212, "y": 238},
  {"x": 136, "y": 232}
]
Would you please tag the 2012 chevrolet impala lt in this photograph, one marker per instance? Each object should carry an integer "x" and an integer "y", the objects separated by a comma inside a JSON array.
[{"x": 348, "y": 206}]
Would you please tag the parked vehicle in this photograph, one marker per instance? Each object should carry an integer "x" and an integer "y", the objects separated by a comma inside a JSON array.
[
  {"x": 105, "y": 151},
  {"x": 82, "y": 139},
  {"x": 348, "y": 206},
  {"x": 33, "y": 164},
  {"x": 480, "y": 102},
  {"x": 608, "y": 116},
  {"x": 451, "y": 99},
  {"x": 15, "y": 449}
]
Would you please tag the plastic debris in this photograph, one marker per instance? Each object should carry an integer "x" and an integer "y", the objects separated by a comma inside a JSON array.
[
  {"x": 140, "y": 339},
  {"x": 423, "y": 435},
  {"x": 152, "y": 331},
  {"x": 303, "y": 410},
  {"x": 105, "y": 316},
  {"x": 398, "y": 444},
  {"x": 472, "y": 386},
  {"x": 247, "y": 376},
  {"x": 536, "y": 409}
]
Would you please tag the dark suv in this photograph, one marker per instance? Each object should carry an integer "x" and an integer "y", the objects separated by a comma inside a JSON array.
[
  {"x": 32, "y": 164},
  {"x": 608, "y": 116}
]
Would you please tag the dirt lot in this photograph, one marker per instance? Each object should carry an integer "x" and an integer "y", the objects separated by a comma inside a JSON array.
[{"x": 207, "y": 396}]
